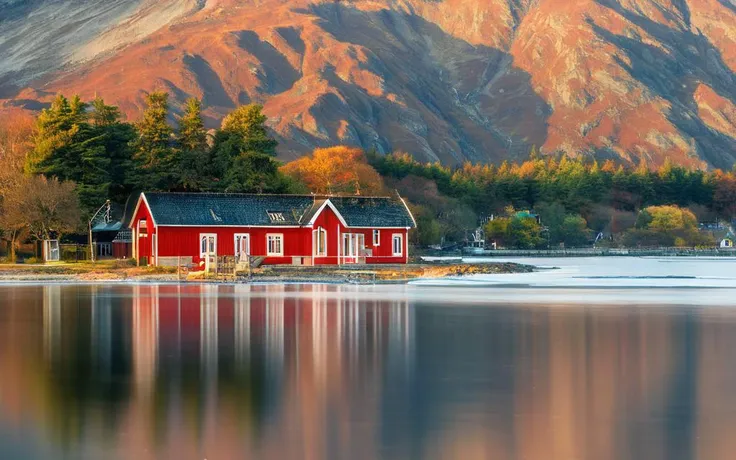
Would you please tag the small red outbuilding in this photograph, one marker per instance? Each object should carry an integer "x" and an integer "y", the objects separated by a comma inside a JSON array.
[{"x": 189, "y": 228}]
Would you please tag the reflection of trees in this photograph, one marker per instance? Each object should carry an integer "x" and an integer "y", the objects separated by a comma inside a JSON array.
[{"x": 78, "y": 376}]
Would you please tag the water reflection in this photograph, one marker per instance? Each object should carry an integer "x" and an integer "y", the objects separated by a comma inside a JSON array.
[
  {"x": 345, "y": 372},
  {"x": 195, "y": 371}
]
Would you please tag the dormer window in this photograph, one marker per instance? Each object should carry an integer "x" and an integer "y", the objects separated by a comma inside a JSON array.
[{"x": 276, "y": 216}]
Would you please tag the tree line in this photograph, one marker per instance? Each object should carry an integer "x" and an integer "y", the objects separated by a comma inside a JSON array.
[
  {"x": 108, "y": 158},
  {"x": 575, "y": 199},
  {"x": 56, "y": 169}
]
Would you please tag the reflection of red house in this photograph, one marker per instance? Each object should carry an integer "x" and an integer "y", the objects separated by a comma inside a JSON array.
[{"x": 171, "y": 228}]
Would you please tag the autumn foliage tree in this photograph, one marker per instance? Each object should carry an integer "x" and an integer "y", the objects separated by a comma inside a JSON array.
[
  {"x": 16, "y": 132},
  {"x": 336, "y": 170}
]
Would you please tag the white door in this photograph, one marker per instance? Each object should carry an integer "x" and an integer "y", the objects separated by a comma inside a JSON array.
[
  {"x": 360, "y": 245},
  {"x": 353, "y": 246},
  {"x": 208, "y": 249},
  {"x": 242, "y": 247}
]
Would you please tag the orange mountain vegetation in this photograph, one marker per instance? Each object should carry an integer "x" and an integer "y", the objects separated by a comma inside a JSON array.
[{"x": 446, "y": 80}]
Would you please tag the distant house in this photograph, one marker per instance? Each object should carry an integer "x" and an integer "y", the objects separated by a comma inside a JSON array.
[
  {"x": 191, "y": 228},
  {"x": 111, "y": 237},
  {"x": 727, "y": 242},
  {"x": 528, "y": 215}
]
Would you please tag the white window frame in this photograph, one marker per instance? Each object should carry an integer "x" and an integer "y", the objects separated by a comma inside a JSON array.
[
  {"x": 319, "y": 235},
  {"x": 142, "y": 235},
  {"x": 349, "y": 249},
  {"x": 400, "y": 237},
  {"x": 104, "y": 249},
  {"x": 376, "y": 237},
  {"x": 207, "y": 235},
  {"x": 280, "y": 237},
  {"x": 236, "y": 246}
]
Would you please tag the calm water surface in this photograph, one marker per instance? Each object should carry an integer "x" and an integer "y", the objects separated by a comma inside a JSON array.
[{"x": 484, "y": 370}]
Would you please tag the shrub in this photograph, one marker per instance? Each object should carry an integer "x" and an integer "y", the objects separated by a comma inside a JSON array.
[{"x": 125, "y": 263}]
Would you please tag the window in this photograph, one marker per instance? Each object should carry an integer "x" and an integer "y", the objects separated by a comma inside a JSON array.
[
  {"x": 275, "y": 245},
  {"x": 242, "y": 245},
  {"x": 276, "y": 216},
  {"x": 319, "y": 238},
  {"x": 143, "y": 227},
  {"x": 398, "y": 245},
  {"x": 104, "y": 249},
  {"x": 207, "y": 244},
  {"x": 376, "y": 237}
]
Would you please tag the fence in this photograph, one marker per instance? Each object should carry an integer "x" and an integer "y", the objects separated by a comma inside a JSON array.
[{"x": 74, "y": 252}]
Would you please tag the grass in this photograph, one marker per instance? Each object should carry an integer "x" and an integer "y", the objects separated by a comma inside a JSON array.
[{"x": 116, "y": 268}]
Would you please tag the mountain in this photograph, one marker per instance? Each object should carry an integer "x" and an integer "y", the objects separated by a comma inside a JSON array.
[{"x": 446, "y": 80}]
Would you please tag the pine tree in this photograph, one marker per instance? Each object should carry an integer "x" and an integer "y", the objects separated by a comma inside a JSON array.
[
  {"x": 103, "y": 114},
  {"x": 192, "y": 148},
  {"x": 243, "y": 142},
  {"x": 249, "y": 124},
  {"x": 116, "y": 138},
  {"x": 56, "y": 130},
  {"x": 154, "y": 154}
]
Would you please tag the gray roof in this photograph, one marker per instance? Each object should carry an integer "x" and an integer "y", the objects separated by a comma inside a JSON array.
[
  {"x": 373, "y": 212},
  {"x": 214, "y": 209}
]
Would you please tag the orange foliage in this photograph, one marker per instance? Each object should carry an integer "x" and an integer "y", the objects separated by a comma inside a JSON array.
[
  {"x": 336, "y": 170},
  {"x": 16, "y": 140}
]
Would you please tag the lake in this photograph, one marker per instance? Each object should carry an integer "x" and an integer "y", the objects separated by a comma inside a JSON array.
[{"x": 613, "y": 358}]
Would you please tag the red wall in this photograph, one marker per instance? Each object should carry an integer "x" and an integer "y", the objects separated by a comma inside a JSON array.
[
  {"x": 122, "y": 250},
  {"x": 328, "y": 220},
  {"x": 143, "y": 245},
  {"x": 382, "y": 254},
  {"x": 185, "y": 241}
]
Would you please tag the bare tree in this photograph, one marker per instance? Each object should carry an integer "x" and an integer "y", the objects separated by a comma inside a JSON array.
[
  {"x": 13, "y": 216},
  {"x": 52, "y": 208}
]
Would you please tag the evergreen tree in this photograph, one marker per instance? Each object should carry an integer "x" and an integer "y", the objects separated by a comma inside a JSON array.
[
  {"x": 91, "y": 149},
  {"x": 154, "y": 154},
  {"x": 242, "y": 154},
  {"x": 116, "y": 138},
  {"x": 57, "y": 129},
  {"x": 253, "y": 172},
  {"x": 249, "y": 124},
  {"x": 244, "y": 130},
  {"x": 192, "y": 146},
  {"x": 103, "y": 114}
]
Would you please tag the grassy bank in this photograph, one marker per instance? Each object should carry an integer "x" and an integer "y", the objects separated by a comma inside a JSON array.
[
  {"x": 85, "y": 271},
  {"x": 117, "y": 271}
]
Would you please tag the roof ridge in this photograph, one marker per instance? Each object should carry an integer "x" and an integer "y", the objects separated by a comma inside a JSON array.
[{"x": 295, "y": 195}]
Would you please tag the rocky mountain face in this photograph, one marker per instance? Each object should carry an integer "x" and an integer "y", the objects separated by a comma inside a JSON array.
[{"x": 446, "y": 80}]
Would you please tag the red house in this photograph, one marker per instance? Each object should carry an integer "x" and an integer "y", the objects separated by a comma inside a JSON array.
[{"x": 189, "y": 228}]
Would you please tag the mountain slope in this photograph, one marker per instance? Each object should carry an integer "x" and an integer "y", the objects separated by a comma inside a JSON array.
[{"x": 447, "y": 80}]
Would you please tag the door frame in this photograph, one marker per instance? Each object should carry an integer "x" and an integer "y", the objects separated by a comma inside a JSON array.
[
  {"x": 352, "y": 256},
  {"x": 236, "y": 251}
]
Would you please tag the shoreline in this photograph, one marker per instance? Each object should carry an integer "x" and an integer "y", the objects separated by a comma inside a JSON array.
[{"x": 389, "y": 274}]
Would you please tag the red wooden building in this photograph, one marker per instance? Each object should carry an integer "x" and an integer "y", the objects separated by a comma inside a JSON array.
[{"x": 189, "y": 228}]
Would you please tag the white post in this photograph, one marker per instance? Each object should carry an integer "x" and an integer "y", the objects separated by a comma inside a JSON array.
[{"x": 339, "y": 244}]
